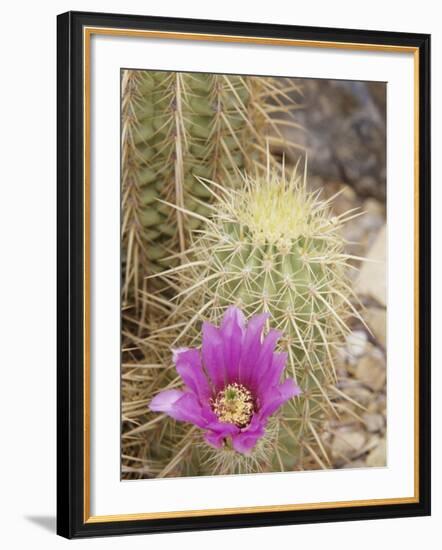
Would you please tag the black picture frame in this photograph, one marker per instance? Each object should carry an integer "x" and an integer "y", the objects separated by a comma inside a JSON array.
[{"x": 71, "y": 518}]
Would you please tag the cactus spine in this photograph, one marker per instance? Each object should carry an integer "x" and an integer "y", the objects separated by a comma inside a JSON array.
[
  {"x": 273, "y": 246},
  {"x": 269, "y": 245},
  {"x": 178, "y": 127}
]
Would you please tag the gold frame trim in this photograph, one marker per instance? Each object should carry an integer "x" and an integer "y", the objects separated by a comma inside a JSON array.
[{"x": 87, "y": 33}]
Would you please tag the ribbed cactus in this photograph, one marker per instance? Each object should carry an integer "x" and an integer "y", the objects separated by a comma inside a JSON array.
[
  {"x": 274, "y": 246},
  {"x": 271, "y": 246},
  {"x": 177, "y": 127}
]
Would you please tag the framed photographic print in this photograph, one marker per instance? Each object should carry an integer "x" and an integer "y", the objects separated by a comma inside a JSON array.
[{"x": 243, "y": 274}]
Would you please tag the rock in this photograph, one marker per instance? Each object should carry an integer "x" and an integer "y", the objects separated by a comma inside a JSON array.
[
  {"x": 355, "y": 464},
  {"x": 345, "y": 201},
  {"x": 373, "y": 217},
  {"x": 372, "y": 443},
  {"x": 354, "y": 233},
  {"x": 377, "y": 458},
  {"x": 346, "y": 133},
  {"x": 381, "y": 403},
  {"x": 372, "y": 407},
  {"x": 374, "y": 422},
  {"x": 356, "y": 343},
  {"x": 371, "y": 372},
  {"x": 376, "y": 319},
  {"x": 372, "y": 279},
  {"x": 347, "y": 444},
  {"x": 359, "y": 393},
  {"x": 374, "y": 208}
]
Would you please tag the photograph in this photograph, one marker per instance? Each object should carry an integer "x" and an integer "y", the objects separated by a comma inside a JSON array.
[
  {"x": 218, "y": 301},
  {"x": 243, "y": 267},
  {"x": 253, "y": 274}
]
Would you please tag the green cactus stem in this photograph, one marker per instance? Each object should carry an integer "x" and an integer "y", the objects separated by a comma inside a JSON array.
[
  {"x": 269, "y": 245},
  {"x": 176, "y": 128}
]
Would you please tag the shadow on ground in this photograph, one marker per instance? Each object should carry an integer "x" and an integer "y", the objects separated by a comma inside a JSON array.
[{"x": 48, "y": 523}]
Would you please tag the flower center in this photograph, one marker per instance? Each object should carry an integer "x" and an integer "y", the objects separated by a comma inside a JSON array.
[{"x": 234, "y": 404}]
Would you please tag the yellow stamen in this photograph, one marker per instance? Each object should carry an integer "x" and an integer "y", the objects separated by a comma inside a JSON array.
[{"x": 234, "y": 404}]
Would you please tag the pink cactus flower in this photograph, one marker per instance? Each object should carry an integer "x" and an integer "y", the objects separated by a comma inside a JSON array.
[{"x": 231, "y": 387}]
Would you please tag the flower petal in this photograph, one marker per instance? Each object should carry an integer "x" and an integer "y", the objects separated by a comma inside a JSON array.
[
  {"x": 234, "y": 314},
  {"x": 218, "y": 431},
  {"x": 165, "y": 400},
  {"x": 183, "y": 406},
  {"x": 251, "y": 347},
  {"x": 222, "y": 427},
  {"x": 272, "y": 376},
  {"x": 214, "y": 439},
  {"x": 244, "y": 441},
  {"x": 276, "y": 396},
  {"x": 232, "y": 332},
  {"x": 213, "y": 356},
  {"x": 265, "y": 359},
  {"x": 189, "y": 367}
]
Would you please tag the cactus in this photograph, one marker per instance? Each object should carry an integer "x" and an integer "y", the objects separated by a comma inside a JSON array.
[
  {"x": 269, "y": 245},
  {"x": 177, "y": 127}
]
